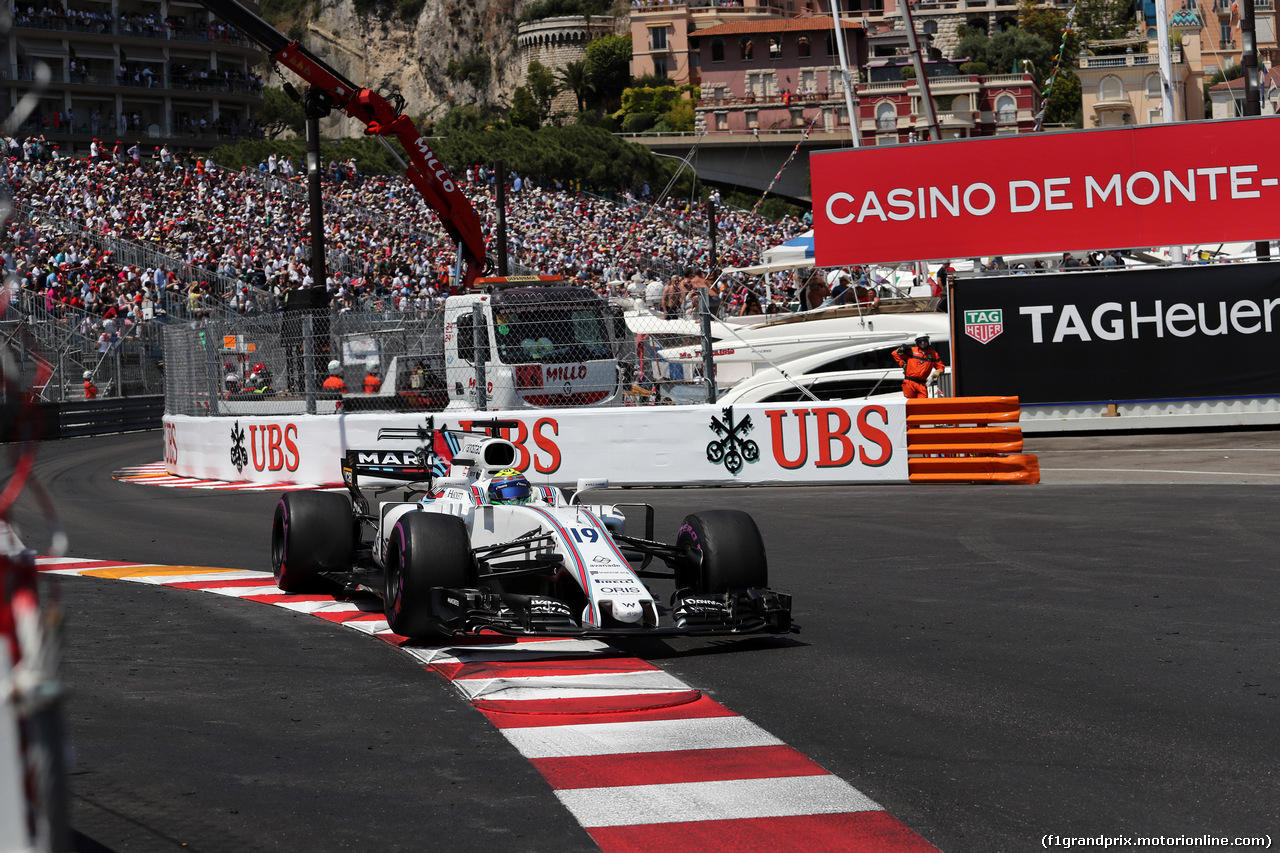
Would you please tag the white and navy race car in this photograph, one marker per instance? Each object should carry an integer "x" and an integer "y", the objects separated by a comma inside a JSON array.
[{"x": 473, "y": 547}]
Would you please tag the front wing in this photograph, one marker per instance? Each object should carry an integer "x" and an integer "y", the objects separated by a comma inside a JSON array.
[{"x": 470, "y": 611}]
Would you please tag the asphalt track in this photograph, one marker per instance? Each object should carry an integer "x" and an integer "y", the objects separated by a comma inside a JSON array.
[{"x": 1093, "y": 656}]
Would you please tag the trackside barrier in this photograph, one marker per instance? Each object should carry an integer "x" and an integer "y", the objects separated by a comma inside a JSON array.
[
  {"x": 967, "y": 440},
  {"x": 76, "y": 418}
]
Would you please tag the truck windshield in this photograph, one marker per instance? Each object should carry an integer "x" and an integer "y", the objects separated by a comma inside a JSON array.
[{"x": 551, "y": 334}]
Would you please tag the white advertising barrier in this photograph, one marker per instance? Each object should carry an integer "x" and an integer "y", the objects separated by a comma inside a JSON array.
[{"x": 666, "y": 446}]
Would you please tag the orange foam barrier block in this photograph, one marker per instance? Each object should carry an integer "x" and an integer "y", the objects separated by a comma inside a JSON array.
[
  {"x": 982, "y": 440},
  {"x": 962, "y": 410},
  {"x": 1023, "y": 468}
]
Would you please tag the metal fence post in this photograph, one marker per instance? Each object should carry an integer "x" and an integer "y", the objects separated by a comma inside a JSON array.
[
  {"x": 480, "y": 341},
  {"x": 708, "y": 359},
  {"x": 309, "y": 362},
  {"x": 213, "y": 369},
  {"x": 62, "y": 377}
]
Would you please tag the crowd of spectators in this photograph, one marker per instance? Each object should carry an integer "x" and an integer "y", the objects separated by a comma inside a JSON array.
[
  {"x": 387, "y": 250},
  {"x": 70, "y": 279},
  {"x": 105, "y": 21}
]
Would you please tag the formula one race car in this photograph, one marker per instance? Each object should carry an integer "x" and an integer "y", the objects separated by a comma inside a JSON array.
[{"x": 482, "y": 550}]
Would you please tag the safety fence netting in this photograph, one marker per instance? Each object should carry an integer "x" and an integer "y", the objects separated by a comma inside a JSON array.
[{"x": 515, "y": 347}]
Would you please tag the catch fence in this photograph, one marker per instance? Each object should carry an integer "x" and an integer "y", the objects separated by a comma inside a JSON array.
[{"x": 514, "y": 347}]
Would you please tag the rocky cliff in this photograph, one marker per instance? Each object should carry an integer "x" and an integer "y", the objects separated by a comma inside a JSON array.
[{"x": 412, "y": 54}]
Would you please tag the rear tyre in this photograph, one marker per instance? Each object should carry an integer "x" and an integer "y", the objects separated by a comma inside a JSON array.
[
  {"x": 311, "y": 533},
  {"x": 720, "y": 550},
  {"x": 425, "y": 550}
]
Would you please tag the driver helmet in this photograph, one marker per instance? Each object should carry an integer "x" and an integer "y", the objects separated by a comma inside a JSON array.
[
  {"x": 509, "y": 486},
  {"x": 335, "y": 366}
]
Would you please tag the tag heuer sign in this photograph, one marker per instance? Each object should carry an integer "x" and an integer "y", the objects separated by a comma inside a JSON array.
[{"x": 983, "y": 326}]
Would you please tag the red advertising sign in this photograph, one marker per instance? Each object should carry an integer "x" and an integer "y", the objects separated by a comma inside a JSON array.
[{"x": 1148, "y": 185}]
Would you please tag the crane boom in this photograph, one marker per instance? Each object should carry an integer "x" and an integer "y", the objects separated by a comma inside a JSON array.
[{"x": 381, "y": 118}]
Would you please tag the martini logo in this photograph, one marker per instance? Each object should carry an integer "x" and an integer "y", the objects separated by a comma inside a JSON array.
[{"x": 984, "y": 326}]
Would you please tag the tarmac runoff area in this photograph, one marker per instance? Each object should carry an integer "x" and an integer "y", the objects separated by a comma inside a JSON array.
[
  {"x": 1219, "y": 456},
  {"x": 989, "y": 665}
]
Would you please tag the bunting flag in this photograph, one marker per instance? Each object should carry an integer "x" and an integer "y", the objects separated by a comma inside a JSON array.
[
  {"x": 1057, "y": 66},
  {"x": 790, "y": 157}
]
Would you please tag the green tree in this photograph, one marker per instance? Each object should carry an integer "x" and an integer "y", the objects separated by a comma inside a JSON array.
[
  {"x": 680, "y": 118},
  {"x": 542, "y": 86},
  {"x": 1004, "y": 52},
  {"x": 1047, "y": 23},
  {"x": 609, "y": 67},
  {"x": 474, "y": 68},
  {"x": 540, "y": 9},
  {"x": 669, "y": 108},
  {"x": 574, "y": 152},
  {"x": 280, "y": 113},
  {"x": 1231, "y": 72},
  {"x": 1064, "y": 105},
  {"x": 1105, "y": 20},
  {"x": 574, "y": 78},
  {"x": 467, "y": 118},
  {"x": 524, "y": 109}
]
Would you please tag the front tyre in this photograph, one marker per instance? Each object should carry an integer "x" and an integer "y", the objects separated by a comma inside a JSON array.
[
  {"x": 311, "y": 533},
  {"x": 425, "y": 550},
  {"x": 720, "y": 550}
]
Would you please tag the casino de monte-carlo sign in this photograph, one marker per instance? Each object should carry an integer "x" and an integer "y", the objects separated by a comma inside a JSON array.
[{"x": 1146, "y": 185}]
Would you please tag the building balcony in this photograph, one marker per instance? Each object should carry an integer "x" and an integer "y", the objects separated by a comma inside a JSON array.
[
  {"x": 963, "y": 85},
  {"x": 757, "y": 101},
  {"x": 956, "y": 118},
  {"x": 217, "y": 35},
  {"x": 161, "y": 84},
  {"x": 211, "y": 136},
  {"x": 927, "y": 7},
  {"x": 708, "y": 8},
  {"x": 1005, "y": 79},
  {"x": 1130, "y": 60},
  {"x": 1008, "y": 117}
]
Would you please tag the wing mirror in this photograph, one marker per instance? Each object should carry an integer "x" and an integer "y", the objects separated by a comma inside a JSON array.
[{"x": 587, "y": 484}]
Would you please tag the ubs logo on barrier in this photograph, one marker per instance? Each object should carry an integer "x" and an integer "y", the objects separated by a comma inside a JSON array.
[
  {"x": 839, "y": 439},
  {"x": 732, "y": 450},
  {"x": 271, "y": 447},
  {"x": 983, "y": 326}
]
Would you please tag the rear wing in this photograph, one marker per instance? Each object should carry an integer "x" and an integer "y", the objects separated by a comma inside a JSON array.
[
  {"x": 437, "y": 450},
  {"x": 407, "y": 465}
]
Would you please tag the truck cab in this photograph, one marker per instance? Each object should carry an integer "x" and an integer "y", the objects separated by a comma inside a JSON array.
[{"x": 542, "y": 346}]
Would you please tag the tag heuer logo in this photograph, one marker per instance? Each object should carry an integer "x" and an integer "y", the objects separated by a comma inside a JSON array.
[{"x": 983, "y": 326}]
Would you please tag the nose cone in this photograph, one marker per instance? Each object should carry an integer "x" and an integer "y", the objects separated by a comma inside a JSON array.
[{"x": 628, "y": 612}]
